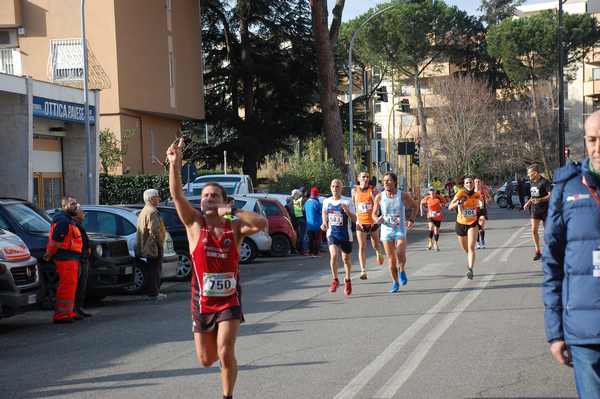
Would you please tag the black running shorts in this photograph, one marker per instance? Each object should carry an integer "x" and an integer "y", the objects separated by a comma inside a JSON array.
[
  {"x": 208, "y": 322},
  {"x": 367, "y": 228},
  {"x": 462, "y": 230},
  {"x": 436, "y": 223}
]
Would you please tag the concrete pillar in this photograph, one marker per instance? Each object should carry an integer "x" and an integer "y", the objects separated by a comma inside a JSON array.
[
  {"x": 16, "y": 146},
  {"x": 74, "y": 161}
]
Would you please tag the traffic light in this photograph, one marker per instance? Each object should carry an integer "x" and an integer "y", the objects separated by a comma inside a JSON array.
[
  {"x": 404, "y": 105},
  {"x": 415, "y": 155},
  {"x": 382, "y": 95},
  {"x": 364, "y": 158},
  {"x": 406, "y": 147}
]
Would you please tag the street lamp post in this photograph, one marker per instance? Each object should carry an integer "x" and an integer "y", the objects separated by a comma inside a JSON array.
[
  {"x": 350, "y": 126},
  {"x": 561, "y": 88},
  {"x": 88, "y": 135}
]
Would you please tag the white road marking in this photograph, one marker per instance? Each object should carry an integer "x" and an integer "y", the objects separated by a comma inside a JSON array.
[
  {"x": 432, "y": 269},
  {"x": 416, "y": 357},
  {"x": 363, "y": 378},
  {"x": 497, "y": 251}
]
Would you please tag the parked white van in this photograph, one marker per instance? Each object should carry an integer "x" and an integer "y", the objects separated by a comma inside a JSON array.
[{"x": 233, "y": 184}]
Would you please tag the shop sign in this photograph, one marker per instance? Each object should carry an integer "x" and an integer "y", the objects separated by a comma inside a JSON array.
[{"x": 61, "y": 110}]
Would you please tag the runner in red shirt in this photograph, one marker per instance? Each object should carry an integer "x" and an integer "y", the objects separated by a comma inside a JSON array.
[
  {"x": 434, "y": 203},
  {"x": 215, "y": 237}
]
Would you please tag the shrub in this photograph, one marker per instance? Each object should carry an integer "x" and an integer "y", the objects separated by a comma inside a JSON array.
[
  {"x": 130, "y": 189},
  {"x": 307, "y": 173},
  {"x": 125, "y": 189}
]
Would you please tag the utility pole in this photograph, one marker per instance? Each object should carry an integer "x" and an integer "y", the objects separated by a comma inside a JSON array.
[
  {"x": 88, "y": 134},
  {"x": 350, "y": 121},
  {"x": 561, "y": 88}
]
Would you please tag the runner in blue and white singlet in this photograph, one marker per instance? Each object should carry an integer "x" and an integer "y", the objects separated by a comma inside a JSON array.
[
  {"x": 393, "y": 214},
  {"x": 389, "y": 211},
  {"x": 338, "y": 214}
]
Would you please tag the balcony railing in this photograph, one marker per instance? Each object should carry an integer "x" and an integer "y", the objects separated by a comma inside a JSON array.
[{"x": 7, "y": 64}]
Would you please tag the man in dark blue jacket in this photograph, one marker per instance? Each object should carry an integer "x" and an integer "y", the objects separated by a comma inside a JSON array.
[{"x": 572, "y": 266}]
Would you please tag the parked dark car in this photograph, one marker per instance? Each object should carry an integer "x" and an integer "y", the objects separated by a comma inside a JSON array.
[
  {"x": 111, "y": 266},
  {"x": 180, "y": 242},
  {"x": 20, "y": 285}
]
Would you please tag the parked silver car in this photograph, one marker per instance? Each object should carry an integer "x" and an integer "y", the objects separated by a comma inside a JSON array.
[
  {"x": 121, "y": 221},
  {"x": 256, "y": 243}
]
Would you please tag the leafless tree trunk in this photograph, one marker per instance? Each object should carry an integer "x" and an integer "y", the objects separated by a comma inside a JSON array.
[
  {"x": 421, "y": 119},
  {"x": 325, "y": 40},
  {"x": 464, "y": 122},
  {"x": 538, "y": 127}
]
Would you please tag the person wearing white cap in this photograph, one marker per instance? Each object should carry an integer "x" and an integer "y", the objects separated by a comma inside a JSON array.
[{"x": 150, "y": 238}]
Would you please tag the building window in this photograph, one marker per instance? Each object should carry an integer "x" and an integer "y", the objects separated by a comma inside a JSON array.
[
  {"x": 6, "y": 61},
  {"x": 376, "y": 74},
  {"x": 378, "y": 131},
  {"x": 377, "y": 107},
  {"x": 596, "y": 74},
  {"x": 405, "y": 90},
  {"x": 66, "y": 60},
  {"x": 406, "y": 120}
]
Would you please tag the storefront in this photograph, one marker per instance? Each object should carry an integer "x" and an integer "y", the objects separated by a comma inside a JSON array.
[{"x": 43, "y": 141}]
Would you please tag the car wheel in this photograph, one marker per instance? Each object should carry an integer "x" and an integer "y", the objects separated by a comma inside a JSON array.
[
  {"x": 280, "y": 245},
  {"x": 139, "y": 280},
  {"x": 248, "y": 251},
  {"x": 184, "y": 267},
  {"x": 502, "y": 202}
]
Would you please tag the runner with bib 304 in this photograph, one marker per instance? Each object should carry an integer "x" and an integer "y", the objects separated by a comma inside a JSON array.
[{"x": 468, "y": 202}]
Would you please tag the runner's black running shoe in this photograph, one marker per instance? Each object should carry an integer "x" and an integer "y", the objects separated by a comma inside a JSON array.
[{"x": 470, "y": 273}]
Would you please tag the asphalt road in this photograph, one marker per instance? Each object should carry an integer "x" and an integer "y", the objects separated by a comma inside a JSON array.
[{"x": 440, "y": 337}]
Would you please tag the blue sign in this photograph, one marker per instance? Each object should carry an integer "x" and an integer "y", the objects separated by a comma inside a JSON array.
[{"x": 62, "y": 111}]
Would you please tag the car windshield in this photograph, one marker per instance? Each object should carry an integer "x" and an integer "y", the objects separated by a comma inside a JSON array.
[
  {"x": 218, "y": 179},
  {"x": 229, "y": 189},
  {"x": 28, "y": 218}
]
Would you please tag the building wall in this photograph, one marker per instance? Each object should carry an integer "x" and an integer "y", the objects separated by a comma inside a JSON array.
[
  {"x": 143, "y": 53},
  {"x": 16, "y": 145},
  {"x": 10, "y": 13}
]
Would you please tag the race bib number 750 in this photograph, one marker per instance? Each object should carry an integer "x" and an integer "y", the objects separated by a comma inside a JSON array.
[{"x": 219, "y": 284}]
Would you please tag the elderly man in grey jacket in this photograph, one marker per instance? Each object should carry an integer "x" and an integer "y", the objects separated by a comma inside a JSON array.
[{"x": 150, "y": 240}]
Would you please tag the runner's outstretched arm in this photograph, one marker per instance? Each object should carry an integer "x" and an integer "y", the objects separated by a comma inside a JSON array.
[
  {"x": 186, "y": 212},
  {"x": 250, "y": 222}
]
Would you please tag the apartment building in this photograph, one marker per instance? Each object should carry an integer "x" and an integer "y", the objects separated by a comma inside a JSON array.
[
  {"x": 582, "y": 92},
  {"x": 395, "y": 119},
  {"x": 145, "y": 58}
]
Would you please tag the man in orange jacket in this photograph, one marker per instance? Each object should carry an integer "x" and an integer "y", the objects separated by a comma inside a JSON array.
[{"x": 64, "y": 249}]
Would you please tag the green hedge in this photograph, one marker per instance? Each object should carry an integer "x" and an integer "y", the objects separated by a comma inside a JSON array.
[
  {"x": 130, "y": 189},
  {"x": 125, "y": 189},
  {"x": 307, "y": 173}
]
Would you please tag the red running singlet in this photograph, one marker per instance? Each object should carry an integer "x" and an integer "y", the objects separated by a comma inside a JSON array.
[{"x": 215, "y": 276}]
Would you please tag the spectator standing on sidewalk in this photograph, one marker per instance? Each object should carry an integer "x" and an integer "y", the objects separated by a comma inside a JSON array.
[
  {"x": 298, "y": 209},
  {"x": 571, "y": 260},
  {"x": 64, "y": 250},
  {"x": 151, "y": 234},
  {"x": 314, "y": 220},
  {"x": 522, "y": 191},
  {"x": 84, "y": 263}
]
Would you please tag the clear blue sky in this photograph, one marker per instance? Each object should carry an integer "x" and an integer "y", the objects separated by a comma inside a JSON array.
[{"x": 354, "y": 8}]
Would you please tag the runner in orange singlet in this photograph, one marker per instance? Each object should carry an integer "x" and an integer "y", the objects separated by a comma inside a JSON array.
[
  {"x": 434, "y": 203},
  {"x": 467, "y": 201},
  {"x": 363, "y": 197}
]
